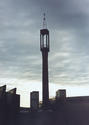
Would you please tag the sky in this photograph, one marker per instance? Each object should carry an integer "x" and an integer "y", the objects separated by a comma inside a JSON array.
[{"x": 20, "y": 56}]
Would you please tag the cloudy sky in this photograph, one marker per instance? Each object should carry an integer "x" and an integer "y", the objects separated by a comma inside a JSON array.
[{"x": 20, "y": 56}]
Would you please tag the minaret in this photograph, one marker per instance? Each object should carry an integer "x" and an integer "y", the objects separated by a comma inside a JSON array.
[{"x": 44, "y": 47}]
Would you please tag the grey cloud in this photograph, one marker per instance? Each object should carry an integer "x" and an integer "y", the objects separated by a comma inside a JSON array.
[{"x": 20, "y": 56}]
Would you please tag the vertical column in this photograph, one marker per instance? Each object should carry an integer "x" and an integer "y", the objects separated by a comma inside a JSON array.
[
  {"x": 45, "y": 77},
  {"x": 44, "y": 47}
]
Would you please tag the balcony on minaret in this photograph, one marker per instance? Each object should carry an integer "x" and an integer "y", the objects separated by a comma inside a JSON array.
[{"x": 44, "y": 39}]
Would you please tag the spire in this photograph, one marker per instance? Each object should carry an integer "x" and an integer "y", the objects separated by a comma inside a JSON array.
[{"x": 44, "y": 21}]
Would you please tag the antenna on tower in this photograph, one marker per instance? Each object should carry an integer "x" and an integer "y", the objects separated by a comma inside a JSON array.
[{"x": 44, "y": 21}]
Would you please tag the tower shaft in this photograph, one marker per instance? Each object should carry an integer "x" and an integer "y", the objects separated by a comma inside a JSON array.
[
  {"x": 45, "y": 77},
  {"x": 44, "y": 47}
]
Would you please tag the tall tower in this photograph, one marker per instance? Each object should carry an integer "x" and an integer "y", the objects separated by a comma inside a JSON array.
[{"x": 44, "y": 47}]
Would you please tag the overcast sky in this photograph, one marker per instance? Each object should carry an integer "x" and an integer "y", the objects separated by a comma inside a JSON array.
[{"x": 20, "y": 56}]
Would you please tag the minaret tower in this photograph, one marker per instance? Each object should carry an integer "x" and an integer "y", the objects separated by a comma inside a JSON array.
[{"x": 44, "y": 47}]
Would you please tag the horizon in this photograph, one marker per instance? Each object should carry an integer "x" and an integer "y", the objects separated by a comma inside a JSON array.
[{"x": 74, "y": 91}]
